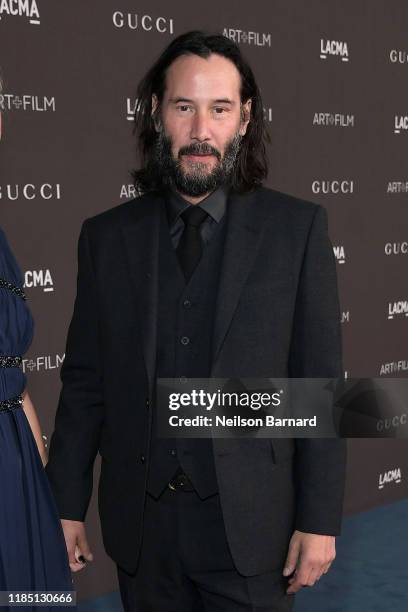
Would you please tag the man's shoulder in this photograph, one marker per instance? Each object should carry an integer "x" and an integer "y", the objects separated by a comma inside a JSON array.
[
  {"x": 124, "y": 213},
  {"x": 266, "y": 200},
  {"x": 286, "y": 203}
]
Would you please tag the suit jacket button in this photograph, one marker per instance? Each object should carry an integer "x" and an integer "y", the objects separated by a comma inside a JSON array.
[
  {"x": 147, "y": 402},
  {"x": 142, "y": 458}
]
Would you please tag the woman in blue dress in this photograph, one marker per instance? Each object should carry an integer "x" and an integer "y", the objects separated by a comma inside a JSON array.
[{"x": 33, "y": 555}]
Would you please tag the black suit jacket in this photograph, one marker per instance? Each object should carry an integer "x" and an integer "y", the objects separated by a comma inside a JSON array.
[{"x": 277, "y": 315}]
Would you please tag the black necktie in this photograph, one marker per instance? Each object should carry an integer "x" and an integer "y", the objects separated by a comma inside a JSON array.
[{"x": 190, "y": 247}]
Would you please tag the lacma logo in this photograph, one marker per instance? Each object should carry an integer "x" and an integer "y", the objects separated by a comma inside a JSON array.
[
  {"x": 133, "y": 21},
  {"x": 26, "y": 102},
  {"x": 397, "y": 308},
  {"x": 345, "y": 316},
  {"x": 20, "y": 8},
  {"x": 268, "y": 114},
  {"x": 333, "y": 120},
  {"x": 339, "y": 254},
  {"x": 334, "y": 47},
  {"x": 249, "y": 38},
  {"x": 131, "y": 108},
  {"x": 389, "y": 477},
  {"x": 39, "y": 278},
  {"x": 400, "y": 124}
]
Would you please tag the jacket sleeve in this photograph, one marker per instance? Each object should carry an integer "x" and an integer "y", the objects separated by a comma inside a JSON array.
[
  {"x": 75, "y": 440},
  {"x": 316, "y": 352}
]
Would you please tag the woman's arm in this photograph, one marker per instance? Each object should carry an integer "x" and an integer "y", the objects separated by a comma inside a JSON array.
[{"x": 32, "y": 418}]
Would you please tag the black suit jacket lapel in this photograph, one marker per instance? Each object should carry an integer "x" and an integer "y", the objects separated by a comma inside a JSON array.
[{"x": 245, "y": 224}]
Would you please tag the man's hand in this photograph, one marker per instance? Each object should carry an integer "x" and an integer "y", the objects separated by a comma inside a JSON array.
[
  {"x": 77, "y": 544},
  {"x": 310, "y": 555}
]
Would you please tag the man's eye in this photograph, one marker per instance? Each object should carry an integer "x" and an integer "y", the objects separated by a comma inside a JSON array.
[
  {"x": 184, "y": 107},
  {"x": 219, "y": 110}
]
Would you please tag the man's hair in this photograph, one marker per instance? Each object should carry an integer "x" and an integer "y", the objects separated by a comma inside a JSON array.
[{"x": 251, "y": 164}]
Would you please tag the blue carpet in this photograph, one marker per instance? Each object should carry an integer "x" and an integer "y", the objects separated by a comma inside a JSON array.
[
  {"x": 106, "y": 603},
  {"x": 370, "y": 573}
]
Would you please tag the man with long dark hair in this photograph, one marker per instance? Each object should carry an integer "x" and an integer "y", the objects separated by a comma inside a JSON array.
[{"x": 206, "y": 274}]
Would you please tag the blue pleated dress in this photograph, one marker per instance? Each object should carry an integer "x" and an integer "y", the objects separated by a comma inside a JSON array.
[{"x": 33, "y": 554}]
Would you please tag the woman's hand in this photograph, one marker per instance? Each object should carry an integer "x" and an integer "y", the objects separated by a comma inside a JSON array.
[{"x": 32, "y": 418}]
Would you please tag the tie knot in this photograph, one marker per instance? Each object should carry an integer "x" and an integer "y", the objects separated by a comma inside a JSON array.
[{"x": 194, "y": 215}]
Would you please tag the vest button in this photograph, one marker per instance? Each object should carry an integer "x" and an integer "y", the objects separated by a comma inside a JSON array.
[
  {"x": 185, "y": 340},
  {"x": 173, "y": 453},
  {"x": 187, "y": 304},
  {"x": 142, "y": 458},
  {"x": 147, "y": 402}
]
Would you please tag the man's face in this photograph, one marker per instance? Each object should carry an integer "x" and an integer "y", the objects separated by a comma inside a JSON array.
[{"x": 201, "y": 122}]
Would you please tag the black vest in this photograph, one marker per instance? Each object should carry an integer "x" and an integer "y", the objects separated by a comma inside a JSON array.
[{"x": 184, "y": 333}]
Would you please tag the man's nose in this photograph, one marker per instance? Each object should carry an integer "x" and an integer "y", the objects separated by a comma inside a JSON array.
[{"x": 200, "y": 127}]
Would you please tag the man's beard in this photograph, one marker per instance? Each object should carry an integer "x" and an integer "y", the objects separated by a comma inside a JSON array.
[{"x": 197, "y": 180}]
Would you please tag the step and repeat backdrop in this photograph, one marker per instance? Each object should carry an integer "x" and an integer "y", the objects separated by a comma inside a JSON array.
[{"x": 334, "y": 80}]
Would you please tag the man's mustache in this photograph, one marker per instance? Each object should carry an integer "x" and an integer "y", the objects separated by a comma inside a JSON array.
[{"x": 199, "y": 149}]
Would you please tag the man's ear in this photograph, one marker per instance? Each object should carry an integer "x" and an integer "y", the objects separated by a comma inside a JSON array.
[
  {"x": 155, "y": 103},
  {"x": 245, "y": 116}
]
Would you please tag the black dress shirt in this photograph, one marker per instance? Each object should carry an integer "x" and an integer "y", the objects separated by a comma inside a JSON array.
[{"x": 214, "y": 204}]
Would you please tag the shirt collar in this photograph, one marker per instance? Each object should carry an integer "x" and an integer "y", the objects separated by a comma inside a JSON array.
[{"x": 215, "y": 204}]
